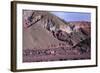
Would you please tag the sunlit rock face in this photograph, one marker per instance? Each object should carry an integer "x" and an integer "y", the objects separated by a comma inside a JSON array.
[{"x": 48, "y": 36}]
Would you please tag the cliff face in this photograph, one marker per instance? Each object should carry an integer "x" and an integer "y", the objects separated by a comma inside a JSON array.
[{"x": 44, "y": 31}]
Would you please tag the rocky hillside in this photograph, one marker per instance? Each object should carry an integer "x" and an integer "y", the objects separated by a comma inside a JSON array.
[{"x": 43, "y": 30}]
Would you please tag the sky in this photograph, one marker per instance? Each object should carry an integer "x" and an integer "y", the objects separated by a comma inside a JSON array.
[{"x": 73, "y": 16}]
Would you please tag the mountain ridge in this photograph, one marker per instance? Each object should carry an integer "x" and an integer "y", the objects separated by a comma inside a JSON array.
[{"x": 47, "y": 35}]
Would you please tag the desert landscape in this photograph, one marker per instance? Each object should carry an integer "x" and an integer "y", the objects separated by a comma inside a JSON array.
[{"x": 47, "y": 37}]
